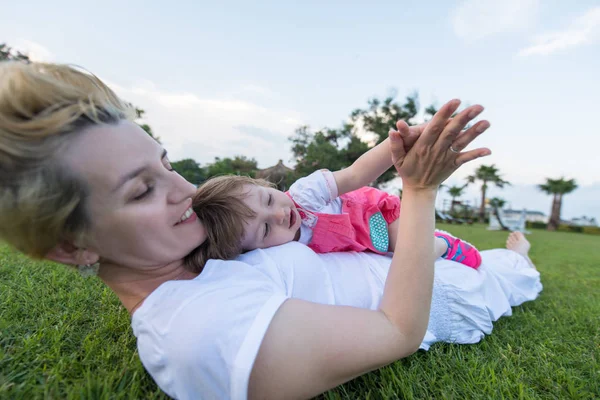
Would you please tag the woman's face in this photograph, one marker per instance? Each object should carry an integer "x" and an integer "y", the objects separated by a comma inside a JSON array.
[{"x": 136, "y": 202}]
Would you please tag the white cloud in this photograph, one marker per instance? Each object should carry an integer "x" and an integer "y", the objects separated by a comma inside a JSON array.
[
  {"x": 583, "y": 30},
  {"x": 475, "y": 19},
  {"x": 191, "y": 126},
  {"x": 261, "y": 90},
  {"x": 34, "y": 50},
  {"x": 292, "y": 121}
]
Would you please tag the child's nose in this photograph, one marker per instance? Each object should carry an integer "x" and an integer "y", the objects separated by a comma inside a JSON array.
[{"x": 280, "y": 216}]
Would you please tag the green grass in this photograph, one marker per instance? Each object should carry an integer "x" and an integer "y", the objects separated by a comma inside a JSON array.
[{"x": 64, "y": 337}]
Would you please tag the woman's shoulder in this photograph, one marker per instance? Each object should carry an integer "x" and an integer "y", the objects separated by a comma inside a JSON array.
[
  {"x": 224, "y": 291},
  {"x": 224, "y": 285},
  {"x": 219, "y": 280},
  {"x": 203, "y": 324}
]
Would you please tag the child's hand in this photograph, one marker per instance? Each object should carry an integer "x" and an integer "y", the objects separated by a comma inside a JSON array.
[
  {"x": 409, "y": 134},
  {"x": 436, "y": 152}
]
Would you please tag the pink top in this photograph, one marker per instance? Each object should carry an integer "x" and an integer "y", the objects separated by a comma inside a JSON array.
[{"x": 355, "y": 221}]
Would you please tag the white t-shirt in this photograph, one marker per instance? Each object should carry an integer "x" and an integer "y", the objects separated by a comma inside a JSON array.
[
  {"x": 199, "y": 338},
  {"x": 316, "y": 192}
]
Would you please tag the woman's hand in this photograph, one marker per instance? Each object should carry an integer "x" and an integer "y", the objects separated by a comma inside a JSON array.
[{"x": 436, "y": 154}]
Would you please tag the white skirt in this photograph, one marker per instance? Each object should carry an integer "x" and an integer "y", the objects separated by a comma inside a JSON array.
[{"x": 466, "y": 302}]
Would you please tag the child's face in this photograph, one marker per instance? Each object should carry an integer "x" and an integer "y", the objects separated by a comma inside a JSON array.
[{"x": 277, "y": 221}]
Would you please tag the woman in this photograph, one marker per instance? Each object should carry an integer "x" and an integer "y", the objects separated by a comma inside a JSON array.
[{"x": 82, "y": 184}]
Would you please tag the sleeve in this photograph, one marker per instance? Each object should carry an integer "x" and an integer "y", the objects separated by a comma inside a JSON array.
[
  {"x": 314, "y": 191},
  {"x": 208, "y": 346}
]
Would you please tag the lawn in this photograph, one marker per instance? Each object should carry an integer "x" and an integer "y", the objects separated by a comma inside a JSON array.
[{"x": 65, "y": 337}]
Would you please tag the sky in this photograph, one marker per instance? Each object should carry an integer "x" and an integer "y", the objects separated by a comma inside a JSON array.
[{"x": 223, "y": 78}]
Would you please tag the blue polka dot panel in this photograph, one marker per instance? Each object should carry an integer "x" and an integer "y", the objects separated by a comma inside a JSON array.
[{"x": 379, "y": 232}]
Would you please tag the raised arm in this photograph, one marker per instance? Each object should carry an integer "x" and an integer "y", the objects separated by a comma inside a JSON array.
[
  {"x": 365, "y": 169},
  {"x": 310, "y": 348}
]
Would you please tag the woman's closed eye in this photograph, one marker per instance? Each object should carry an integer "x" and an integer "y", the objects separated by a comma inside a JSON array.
[
  {"x": 149, "y": 189},
  {"x": 150, "y": 186}
]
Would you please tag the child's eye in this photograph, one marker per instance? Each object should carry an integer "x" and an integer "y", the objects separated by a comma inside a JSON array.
[
  {"x": 270, "y": 199},
  {"x": 266, "y": 230}
]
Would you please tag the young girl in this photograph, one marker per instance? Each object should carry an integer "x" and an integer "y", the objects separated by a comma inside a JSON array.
[{"x": 328, "y": 211}]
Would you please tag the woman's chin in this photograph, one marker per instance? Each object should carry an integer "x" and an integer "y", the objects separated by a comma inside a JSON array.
[{"x": 195, "y": 234}]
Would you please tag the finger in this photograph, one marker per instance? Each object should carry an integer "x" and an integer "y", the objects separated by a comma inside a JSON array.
[
  {"x": 418, "y": 129},
  {"x": 400, "y": 123},
  {"x": 403, "y": 128},
  {"x": 459, "y": 122},
  {"x": 414, "y": 132},
  {"x": 436, "y": 126},
  {"x": 407, "y": 133},
  {"x": 396, "y": 147},
  {"x": 421, "y": 127},
  {"x": 466, "y": 137},
  {"x": 468, "y": 156}
]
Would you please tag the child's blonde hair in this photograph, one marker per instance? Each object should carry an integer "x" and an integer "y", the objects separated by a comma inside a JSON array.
[
  {"x": 219, "y": 205},
  {"x": 42, "y": 108}
]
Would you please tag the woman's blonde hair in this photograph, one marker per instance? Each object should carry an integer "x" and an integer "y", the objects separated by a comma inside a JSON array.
[
  {"x": 42, "y": 108},
  {"x": 219, "y": 205}
]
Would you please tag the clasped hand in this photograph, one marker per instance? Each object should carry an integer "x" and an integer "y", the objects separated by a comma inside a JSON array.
[{"x": 427, "y": 154}]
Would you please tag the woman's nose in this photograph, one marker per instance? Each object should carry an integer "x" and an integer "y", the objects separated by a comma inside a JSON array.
[{"x": 179, "y": 189}]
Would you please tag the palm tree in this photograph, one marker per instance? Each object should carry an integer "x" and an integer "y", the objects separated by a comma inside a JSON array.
[
  {"x": 454, "y": 192},
  {"x": 486, "y": 174},
  {"x": 497, "y": 203},
  {"x": 557, "y": 188}
]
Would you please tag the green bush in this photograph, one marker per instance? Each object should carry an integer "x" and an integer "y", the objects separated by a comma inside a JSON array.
[
  {"x": 591, "y": 230},
  {"x": 574, "y": 228},
  {"x": 536, "y": 225},
  {"x": 570, "y": 228},
  {"x": 563, "y": 228}
]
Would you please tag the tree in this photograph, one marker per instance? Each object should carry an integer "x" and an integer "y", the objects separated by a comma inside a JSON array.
[
  {"x": 335, "y": 149},
  {"x": 7, "y": 53},
  {"x": 190, "y": 170},
  {"x": 239, "y": 165},
  {"x": 380, "y": 116},
  {"x": 139, "y": 113},
  {"x": 497, "y": 203},
  {"x": 557, "y": 188},
  {"x": 486, "y": 174},
  {"x": 454, "y": 192},
  {"x": 316, "y": 151}
]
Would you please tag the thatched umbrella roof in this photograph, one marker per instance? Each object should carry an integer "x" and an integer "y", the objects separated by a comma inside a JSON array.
[{"x": 275, "y": 173}]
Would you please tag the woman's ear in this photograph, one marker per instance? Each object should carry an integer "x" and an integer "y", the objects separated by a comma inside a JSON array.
[{"x": 68, "y": 253}]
